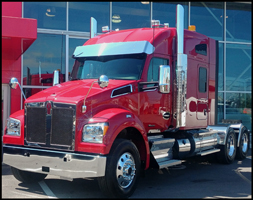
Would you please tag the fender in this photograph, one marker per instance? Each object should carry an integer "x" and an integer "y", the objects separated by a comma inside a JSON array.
[
  {"x": 17, "y": 140},
  {"x": 118, "y": 120}
]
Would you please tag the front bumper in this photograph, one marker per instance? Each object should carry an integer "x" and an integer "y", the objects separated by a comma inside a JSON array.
[{"x": 58, "y": 163}]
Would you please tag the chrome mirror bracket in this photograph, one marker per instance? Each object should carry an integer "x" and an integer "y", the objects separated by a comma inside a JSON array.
[{"x": 14, "y": 85}]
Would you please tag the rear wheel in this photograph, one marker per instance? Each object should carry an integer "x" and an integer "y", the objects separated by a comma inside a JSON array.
[
  {"x": 228, "y": 151},
  {"x": 122, "y": 170},
  {"x": 243, "y": 148},
  {"x": 27, "y": 177}
]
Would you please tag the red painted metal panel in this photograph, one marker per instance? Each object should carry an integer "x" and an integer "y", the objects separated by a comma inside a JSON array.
[
  {"x": 12, "y": 68},
  {"x": 13, "y": 9},
  {"x": 17, "y": 35},
  {"x": 19, "y": 27},
  {"x": 19, "y": 140}
]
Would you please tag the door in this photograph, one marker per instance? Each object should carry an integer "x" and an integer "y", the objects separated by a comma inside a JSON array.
[
  {"x": 153, "y": 105},
  {"x": 202, "y": 94}
]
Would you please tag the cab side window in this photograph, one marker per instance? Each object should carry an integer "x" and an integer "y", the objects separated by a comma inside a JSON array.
[
  {"x": 202, "y": 80},
  {"x": 153, "y": 69}
]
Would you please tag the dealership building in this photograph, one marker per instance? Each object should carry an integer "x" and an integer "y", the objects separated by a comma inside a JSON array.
[{"x": 40, "y": 37}]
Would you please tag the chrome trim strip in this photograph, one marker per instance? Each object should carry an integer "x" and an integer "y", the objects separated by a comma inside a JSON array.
[
  {"x": 58, "y": 163},
  {"x": 114, "y": 48},
  {"x": 151, "y": 90},
  {"x": 131, "y": 90}
]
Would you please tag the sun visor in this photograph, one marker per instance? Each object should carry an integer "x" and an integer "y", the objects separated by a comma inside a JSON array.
[{"x": 114, "y": 48}]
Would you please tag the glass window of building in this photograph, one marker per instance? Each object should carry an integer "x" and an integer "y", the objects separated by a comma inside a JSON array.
[
  {"x": 44, "y": 56},
  {"x": 238, "y": 106},
  {"x": 31, "y": 91},
  {"x": 208, "y": 18},
  {"x": 49, "y": 15},
  {"x": 238, "y": 67},
  {"x": 221, "y": 68},
  {"x": 238, "y": 21},
  {"x": 166, "y": 12},
  {"x": 81, "y": 12},
  {"x": 73, "y": 43},
  {"x": 127, "y": 15},
  {"x": 220, "y": 107}
]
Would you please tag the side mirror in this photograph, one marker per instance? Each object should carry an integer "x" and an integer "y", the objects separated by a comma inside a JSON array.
[
  {"x": 164, "y": 78},
  {"x": 103, "y": 81},
  {"x": 56, "y": 79},
  {"x": 14, "y": 83}
]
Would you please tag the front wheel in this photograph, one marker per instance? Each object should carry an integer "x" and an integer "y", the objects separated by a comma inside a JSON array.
[
  {"x": 228, "y": 151},
  {"x": 122, "y": 170},
  {"x": 27, "y": 177}
]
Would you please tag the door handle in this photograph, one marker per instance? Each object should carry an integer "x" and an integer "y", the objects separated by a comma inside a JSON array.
[{"x": 204, "y": 111}]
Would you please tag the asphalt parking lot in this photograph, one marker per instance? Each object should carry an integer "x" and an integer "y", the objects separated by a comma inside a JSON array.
[{"x": 200, "y": 177}]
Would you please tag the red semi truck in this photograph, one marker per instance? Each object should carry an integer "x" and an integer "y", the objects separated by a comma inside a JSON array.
[{"x": 137, "y": 99}]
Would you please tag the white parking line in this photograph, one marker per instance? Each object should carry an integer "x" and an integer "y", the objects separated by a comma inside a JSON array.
[
  {"x": 21, "y": 194},
  {"x": 46, "y": 189}
]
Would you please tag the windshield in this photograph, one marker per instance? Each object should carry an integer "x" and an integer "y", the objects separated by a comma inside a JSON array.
[{"x": 126, "y": 67}]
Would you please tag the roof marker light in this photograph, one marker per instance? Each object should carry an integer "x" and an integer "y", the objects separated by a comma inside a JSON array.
[
  {"x": 166, "y": 25},
  {"x": 105, "y": 29},
  {"x": 192, "y": 28},
  {"x": 155, "y": 22}
]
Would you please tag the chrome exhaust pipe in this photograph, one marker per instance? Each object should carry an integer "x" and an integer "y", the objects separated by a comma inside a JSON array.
[{"x": 181, "y": 69}]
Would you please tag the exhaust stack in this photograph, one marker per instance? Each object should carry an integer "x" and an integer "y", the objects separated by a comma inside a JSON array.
[
  {"x": 181, "y": 69},
  {"x": 93, "y": 27}
]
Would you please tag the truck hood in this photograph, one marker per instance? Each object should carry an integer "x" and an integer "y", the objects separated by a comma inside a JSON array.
[{"x": 74, "y": 91}]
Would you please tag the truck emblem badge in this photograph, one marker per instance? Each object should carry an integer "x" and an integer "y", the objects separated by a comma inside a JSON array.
[{"x": 49, "y": 108}]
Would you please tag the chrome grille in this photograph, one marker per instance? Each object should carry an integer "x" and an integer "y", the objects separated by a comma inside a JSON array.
[
  {"x": 36, "y": 125},
  {"x": 50, "y": 125},
  {"x": 62, "y": 125}
]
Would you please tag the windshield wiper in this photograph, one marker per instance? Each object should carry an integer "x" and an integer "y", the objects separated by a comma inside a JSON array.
[{"x": 74, "y": 79}]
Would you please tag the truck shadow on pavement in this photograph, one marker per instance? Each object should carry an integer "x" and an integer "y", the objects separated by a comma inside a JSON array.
[
  {"x": 198, "y": 177},
  {"x": 6, "y": 170}
]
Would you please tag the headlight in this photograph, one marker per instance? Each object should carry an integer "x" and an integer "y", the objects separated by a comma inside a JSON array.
[
  {"x": 94, "y": 132},
  {"x": 13, "y": 127}
]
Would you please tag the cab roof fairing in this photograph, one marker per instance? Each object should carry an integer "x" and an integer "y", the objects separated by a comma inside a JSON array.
[{"x": 113, "y": 48}]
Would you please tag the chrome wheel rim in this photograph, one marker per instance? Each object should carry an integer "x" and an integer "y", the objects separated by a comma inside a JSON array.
[
  {"x": 231, "y": 146},
  {"x": 244, "y": 142},
  {"x": 125, "y": 171}
]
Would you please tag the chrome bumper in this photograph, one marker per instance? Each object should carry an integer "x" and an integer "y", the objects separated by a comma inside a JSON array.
[{"x": 59, "y": 163}]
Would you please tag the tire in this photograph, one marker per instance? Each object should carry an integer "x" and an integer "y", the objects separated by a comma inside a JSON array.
[
  {"x": 122, "y": 170},
  {"x": 228, "y": 151},
  {"x": 27, "y": 177},
  {"x": 243, "y": 148}
]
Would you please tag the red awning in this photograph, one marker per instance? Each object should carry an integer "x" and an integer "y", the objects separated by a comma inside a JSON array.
[{"x": 17, "y": 35}]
